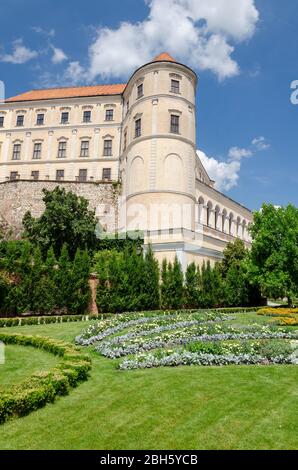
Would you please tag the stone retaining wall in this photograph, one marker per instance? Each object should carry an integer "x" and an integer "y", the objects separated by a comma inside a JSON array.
[{"x": 18, "y": 197}]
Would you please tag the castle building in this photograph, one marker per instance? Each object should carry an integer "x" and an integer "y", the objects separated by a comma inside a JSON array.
[{"x": 141, "y": 135}]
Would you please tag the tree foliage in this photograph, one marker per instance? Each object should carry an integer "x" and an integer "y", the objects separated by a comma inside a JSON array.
[
  {"x": 65, "y": 220},
  {"x": 274, "y": 254}
]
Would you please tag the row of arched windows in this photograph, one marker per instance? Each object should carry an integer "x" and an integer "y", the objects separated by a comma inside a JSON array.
[{"x": 222, "y": 220}]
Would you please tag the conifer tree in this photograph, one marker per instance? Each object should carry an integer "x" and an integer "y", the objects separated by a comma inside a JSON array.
[
  {"x": 191, "y": 286},
  {"x": 79, "y": 280},
  {"x": 177, "y": 288},
  {"x": 150, "y": 275}
]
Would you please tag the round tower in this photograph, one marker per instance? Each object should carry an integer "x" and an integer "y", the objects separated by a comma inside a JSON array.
[{"x": 159, "y": 152}]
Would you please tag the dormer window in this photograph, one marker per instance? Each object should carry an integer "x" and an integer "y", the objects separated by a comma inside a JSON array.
[
  {"x": 20, "y": 120},
  {"x": 140, "y": 91}
]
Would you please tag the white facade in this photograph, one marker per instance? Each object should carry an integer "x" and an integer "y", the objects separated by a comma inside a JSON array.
[{"x": 142, "y": 134}]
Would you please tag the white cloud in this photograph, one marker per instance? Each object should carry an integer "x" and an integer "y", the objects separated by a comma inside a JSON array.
[
  {"x": 226, "y": 173},
  {"x": 236, "y": 153},
  {"x": 260, "y": 143},
  {"x": 202, "y": 33},
  {"x": 37, "y": 29},
  {"x": 74, "y": 73},
  {"x": 20, "y": 53},
  {"x": 58, "y": 55}
]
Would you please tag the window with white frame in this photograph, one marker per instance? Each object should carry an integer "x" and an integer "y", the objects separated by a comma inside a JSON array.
[
  {"x": 16, "y": 153},
  {"x": 62, "y": 149},
  {"x": 37, "y": 151},
  {"x": 85, "y": 148}
]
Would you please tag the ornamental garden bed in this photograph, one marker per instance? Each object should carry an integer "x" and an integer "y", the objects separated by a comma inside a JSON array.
[{"x": 189, "y": 338}]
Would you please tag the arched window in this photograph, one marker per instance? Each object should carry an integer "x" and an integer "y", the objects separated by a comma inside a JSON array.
[
  {"x": 217, "y": 212},
  {"x": 201, "y": 210},
  {"x": 209, "y": 212},
  {"x": 238, "y": 226},
  {"x": 231, "y": 217},
  {"x": 223, "y": 220}
]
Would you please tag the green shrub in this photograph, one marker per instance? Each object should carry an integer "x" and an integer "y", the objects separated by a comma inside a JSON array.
[{"x": 42, "y": 388}]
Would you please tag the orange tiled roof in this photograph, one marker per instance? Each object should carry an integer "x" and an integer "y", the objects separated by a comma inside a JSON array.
[
  {"x": 71, "y": 92},
  {"x": 164, "y": 57}
]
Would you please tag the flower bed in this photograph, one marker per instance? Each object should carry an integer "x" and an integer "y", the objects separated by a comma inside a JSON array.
[
  {"x": 42, "y": 388},
  {"x": 279, "y": 312},
  {"x": 188, "y": 358},
  {"x": 201, "y": 338}
]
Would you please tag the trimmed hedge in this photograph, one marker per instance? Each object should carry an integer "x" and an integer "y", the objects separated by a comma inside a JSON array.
[
  {"x": 21, "y": 321},
  {"x": 237, "y": 309},
  {"x": 43, "y": 387}
]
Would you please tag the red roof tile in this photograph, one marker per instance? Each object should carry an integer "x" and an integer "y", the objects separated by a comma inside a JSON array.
[
  {"x": 164, "y": 57},
  {"x": 71, "y": 92}
]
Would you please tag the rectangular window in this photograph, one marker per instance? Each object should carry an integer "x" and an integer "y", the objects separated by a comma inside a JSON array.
[
  {"x": 140, "y": 91},
  {"x": 59, "y": 175},
  {"x": 82, "y": 176},
  {"x": 62, "y": 150},
  {"x": 20, "y": 120},
  {"x": 85, "y": 148},
  {"x": 106, "y": 174},
  {"x": 16, "y": 154},
  {"x": 109, "y": 115},
  {"x": 175, "y": 124},
  {"x": 107, "y": 149},
  {"x": 37, "y": 151},
  {"x": 35, "y": 175},
  {"x": 175, "y": 86},
  {"x": 40, "y": 120},
  {"x": 1, "y": 121},
  {"x": 138, "y": 127},
  {"x": 87, "y": 116},
  {"x": 64, "y": 118},
  {"x": 14, "y": 175}
]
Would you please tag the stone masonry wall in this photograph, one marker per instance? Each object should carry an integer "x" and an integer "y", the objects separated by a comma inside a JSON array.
[{"x": 17, "y": 197}]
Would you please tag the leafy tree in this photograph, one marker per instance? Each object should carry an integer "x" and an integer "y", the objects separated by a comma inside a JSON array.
[
  {"x": 240, "y": 289},
  {"x": 66, "y": 219},
  {"x": 274, "y": 253}
]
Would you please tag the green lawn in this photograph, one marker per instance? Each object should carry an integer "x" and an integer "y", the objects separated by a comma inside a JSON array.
[
  {"x": 21, "y": 362},
  {"x": 233, "y": 407}
]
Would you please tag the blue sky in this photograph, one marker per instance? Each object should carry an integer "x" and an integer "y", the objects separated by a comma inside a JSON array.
[{"x": 246, "y": 124}]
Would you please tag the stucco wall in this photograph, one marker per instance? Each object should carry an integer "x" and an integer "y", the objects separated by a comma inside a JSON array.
[{"x": 17, "y": 197}]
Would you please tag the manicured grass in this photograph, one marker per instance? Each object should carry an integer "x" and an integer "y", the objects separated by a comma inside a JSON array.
[
  {"x": 21, "y": 362},
  {"x": 234, "y": 407}
]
